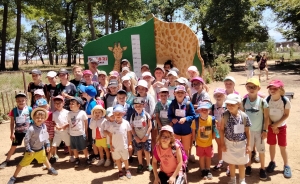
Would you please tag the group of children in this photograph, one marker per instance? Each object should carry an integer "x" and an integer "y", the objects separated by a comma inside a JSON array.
[{"x": 158, "y": 118}]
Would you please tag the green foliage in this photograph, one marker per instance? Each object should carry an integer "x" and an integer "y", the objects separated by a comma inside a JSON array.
[
  {"x": 221, "y": 69},
  {"x": 207, "y": 78}
]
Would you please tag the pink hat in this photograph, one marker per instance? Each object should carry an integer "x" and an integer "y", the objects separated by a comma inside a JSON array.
[
  {"x": 276, "y": 83},
  {"x": 198, "y": 79},
  {"x": 87, "y": 72},
  {"x": 220, "y": 90},
  {"x": 193, "y": 68},
  {"x": 180, "y": 88},
  {"x": 39, "y": 92},
  {"x": 59, "y": 97},
  {"x": 167, "y": 128},
  {"x": 114, "y": 73}
]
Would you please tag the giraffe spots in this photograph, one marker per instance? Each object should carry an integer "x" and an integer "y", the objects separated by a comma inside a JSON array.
[
  {"x": 178, "y": 26},
  {"x": 171, "y": 25},
  {"x": 175, "y": 38},
  {"x": 173, "y": 32}
]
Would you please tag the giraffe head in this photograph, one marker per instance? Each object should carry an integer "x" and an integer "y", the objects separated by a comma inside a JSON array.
[{"x": 117, "y": 50}]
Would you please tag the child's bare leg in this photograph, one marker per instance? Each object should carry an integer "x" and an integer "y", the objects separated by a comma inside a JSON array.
[
  {"x": 47, "y": 163},
  {"x": 232, "y": 170},
  {"x": 272, "y": 150},
  {"x": 147, "y": 155},
  {"x": 11, "y": 152},
  {"x": 250, "y": 155},
  {"x": 207, "y": 162},
  {"x": 218, "y": 140},
  {"x": 126, "y": 164},
  {"x": 119, "y": 164},
  {"x": 262, "y": 160},
  {"x": 100, "y": 151},
  {"x": 284, "y": 155},
  {"x": 86, "y": 153},
  {"x": 17, "y": 171},
  {"x": 75, "y": 153},
  {"x": 241, "y": 171},
  {"x": 107, "y": 153},
  {"x": 202, "y": 162},
  {"x": 95, "y": 149},
  {"x": 140, "y": 156},
  {"x": 70, "y": 151}
]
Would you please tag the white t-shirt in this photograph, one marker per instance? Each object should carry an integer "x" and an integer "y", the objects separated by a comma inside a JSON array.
[
  {"x": 249, "y": 64},
  {"x": 277, "y": 109},
  {"x": 60, "y": 118},
  {"x": 106, "y": 126},
  {"x": 94, "y": 124},
  {"x": 76, "y": 121},
  {"x": 119, "y": 134}
]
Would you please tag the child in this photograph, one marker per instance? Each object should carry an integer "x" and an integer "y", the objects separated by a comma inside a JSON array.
[
  {"x": 97, "y": 125},
  {"x": 235, "y": 137},
  {"x": 200, "y": 95},
  {"x": 203, "y": 134},
  {"x": 145, "y": 68},
  {"x": 279, "y": 111},
  {"x": 128, "y": 86},
  {"x": 60, "y": 117},
  {"x": 36, "y": 84},
  {"x": 193, "y": 72},
  {"x": 87, "y": 76},
  {"x": 181, "y": 113},
  {"x": 120, "y": 140},
  {"x": 142, "y": 89},
  {"x": 19, "y": 124},
  {"x": 110, "y": 98},
  {"x": 159, "y": 81},
  {"x": 38, "y": 94},
  {"x": 35, "y": 140},
  {"x": 103, "y": 82},
  {"x": 121, "y": 99},
  {"x": 229, "y": 83},
  {"x": 161, "y": 108},
  {"x": 172, "y": 76},
  {"x": 77, "y": 72},
  {"x": 170, "y": 165},
  {"x": 147, "y": 76},
  {"x": 249, "y": 66},
  {"x": 263, "y": 66},
  {"x": 78, "y": 123},
  {"x": 51, "y": 76},
  {"x": 141, "y": 129}
]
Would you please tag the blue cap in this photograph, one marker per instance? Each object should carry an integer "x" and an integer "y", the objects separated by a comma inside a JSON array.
[
  {"x": 90, "y": 90},
  {"x": 119, "y": 108},
  {"x": 204, "y": 105},
  {"x": 41, "y": 102}
]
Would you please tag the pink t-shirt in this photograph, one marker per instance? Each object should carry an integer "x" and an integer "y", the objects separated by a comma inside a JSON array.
[{"x": 168, "y": 162}]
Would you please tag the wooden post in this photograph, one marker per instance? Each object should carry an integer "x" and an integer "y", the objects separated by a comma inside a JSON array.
[
  {"x": 4, "y": 110},
  {"x": 24, "y": 82},
  {"x": 7, "y": 99}
]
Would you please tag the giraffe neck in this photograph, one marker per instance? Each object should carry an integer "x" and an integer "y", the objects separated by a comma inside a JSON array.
[{"x": 117, "y": 65}]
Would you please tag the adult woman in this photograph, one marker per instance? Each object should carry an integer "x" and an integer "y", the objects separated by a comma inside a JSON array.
[
  {"x": 263, "y": 66},
  {"x": 93, "y": 67}
]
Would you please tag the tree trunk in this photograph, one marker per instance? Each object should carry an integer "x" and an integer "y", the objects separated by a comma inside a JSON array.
[
  {"x": 3, "y": 39},
  {"x": 74, "y": 59},
  {"x": 119, "y": 25},
  {"x": 106, "y": 20},
  {"x": 113, "y": 23},
  {"x": 91, "y": 21},
  {"x": 41, "y": 57},
  {"x": 232, "y": 54},
  {"x": 18, "y": 36},
  {"x": 49, "y": 44},
  {"x": 54, "y": 43}
]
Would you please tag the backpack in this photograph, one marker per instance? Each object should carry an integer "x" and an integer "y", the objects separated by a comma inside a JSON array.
[
  {"x": 213, "y": 109},
  {"x": 226, "y": 115},
  {"x": 283, "y": 98},
  {"x": 212, "y": 125},
  {"x": 194, "y": 98},
  {"x": 15, "y": 111},
  {"x": 187, "y": 107},
  {"x": 262, "y": 108},
  {"x": 173, "y": 147},
  {"x": 133, "y": 116}
]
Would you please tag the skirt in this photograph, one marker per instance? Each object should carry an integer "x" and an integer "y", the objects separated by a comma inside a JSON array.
[{"x": 235, "y": 152}]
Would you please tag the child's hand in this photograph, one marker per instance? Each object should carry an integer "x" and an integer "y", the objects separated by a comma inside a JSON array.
[
  {"x": 224, "y": 149},
  {"x": 12, "y": 137},
  {"x": 31, "y": 153},
  {"x": 156, "y": 181},
  {"x": 112, "y": 149},
  {"x": 137, "y": 139},
  {"x": 174, "y": 121},
  {"x": 172, "y": 180},
  {"x": 130, "y": 147},
  {"x": 182, "y": 120},
  {"x": 264, "y": 135},
  {"x": 248, "y": 149},
  {"x": 48, "y": 149}
]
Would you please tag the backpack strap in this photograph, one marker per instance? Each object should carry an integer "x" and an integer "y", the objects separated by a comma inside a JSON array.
[
  {"x": 244, "y": 102},
  {"x": 194, "y": 98},
  {"x": 282, "y": 98},
  {"x": 15, "y": 112},
  {"x": 187, "y": 106},
  {"x": 226, "y": 117},
  {"x": 213, "y": 109}
]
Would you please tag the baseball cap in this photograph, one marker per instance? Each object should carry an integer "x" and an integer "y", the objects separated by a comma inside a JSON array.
[
  {"x": 145, "y": 65},
  {"x": 36, "y": 71},
  {"x": 114, "y": 73},
  {"x": 113, "y": 83},
  {"x": 198, "y": 79},
  {"x": 180, "y": 80},
  {"x": 180, "y": 88},
  {"x": 145, "y": 74},
  {"x": 254, "y": 81},
  {"x": 219, "y": 91},
  {"x": 138, "y": 100},
  {"x": 143, "y": 83},
  {"x": 125, "y": 69},
  {"x": 159, "y": 68},
  {"x": 163, "y": 90},
  {"x": 167, "y": 128},
  {"x": 171, "y": 72},
  {"x": 93, "y": 60},
  {"x": 102, "y": 72},
  {"x": 21, "y": 95},
  {"x": 39, "y": 109},
  {"x": 124, "y": 60},
  {"x": 276, "y": 83},
  {"x": 51, "y": 74},
  {"x": 229, "y": 78},
  {"x": 90, "y": 90},
  {"x": 109, "y": 111},
  {"x": 39, "y": 92},
  {"x": 59, "y": 97},
  {"x": 204, "y": 105},
  {"x": 122, "y": 91},
  {"x": 41, "y": 102},
  {"x": 192, "y": 68},
  {"x": 99, "y": 107},
  {"x": 175, "y": 70},
  {"x": 77, "y": 99},
  {"x": 62, "y": 71},
  {"x": 119, "y": 108},
  {"x": 87, "y": 72},
  {"x": 233, "y": 99},
  {"x": 125, "y": 77}
]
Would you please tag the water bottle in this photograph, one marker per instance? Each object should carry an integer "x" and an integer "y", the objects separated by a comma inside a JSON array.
[{"x": 217, "y": 132}]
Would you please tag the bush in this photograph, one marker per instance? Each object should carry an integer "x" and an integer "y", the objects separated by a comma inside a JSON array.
[
  {"x": 221, "y": 69},
  {"x": 207, "y": 78}
]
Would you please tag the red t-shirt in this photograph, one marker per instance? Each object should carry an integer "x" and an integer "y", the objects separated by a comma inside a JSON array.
[{"x": 50, "y": 125}]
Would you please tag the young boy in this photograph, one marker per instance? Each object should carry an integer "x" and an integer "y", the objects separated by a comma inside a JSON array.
[
  {"x": 201, "y": 95},
  {"x": 77, "y": 72},
  {"x": 141, "y": 129},
  {"x": 121, "y": 99},
  {"x": 120, "y": 140},
  {"x": 37, "y": 94},
  {"x": 161, "y": 108},
  {"x": 36, "y": 84},
  {"x": 258, "y": 111},
  {"x": 142, "y": 89},
  {"x": 203, "y": 134},
  {"x": 51, "y": 76},
  {"x": 19, "y": 124},
  {"x": 78, "y": 123},
  {"x": 35, "y": 140}
]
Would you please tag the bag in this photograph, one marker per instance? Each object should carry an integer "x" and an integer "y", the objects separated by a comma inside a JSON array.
[
  {"x": 213, "y": 109},
  {"x": 213, "y": 119},
  {"x": 283, "y": 98},
  {"x": 187, "y": 107},
  {"x": 133, "y": 116},
  {"x": 226, "y": 115},
  {"x": 16, "y": 112},
  {"x": 262, "y": 108}
]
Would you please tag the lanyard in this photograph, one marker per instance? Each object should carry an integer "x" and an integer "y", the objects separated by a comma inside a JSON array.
[
  {"x": 165, "y": 107},
  {"x": 21, "y": 111},
  {"x": 237, "y": 121}
]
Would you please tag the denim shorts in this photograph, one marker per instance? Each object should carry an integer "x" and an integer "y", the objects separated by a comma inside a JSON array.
[
  {"x": 142, "y": 145},
  {"x": 78, "y": 142}
]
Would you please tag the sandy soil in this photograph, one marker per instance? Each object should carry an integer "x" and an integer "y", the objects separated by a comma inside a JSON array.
[{"x": 67, "y": 174}]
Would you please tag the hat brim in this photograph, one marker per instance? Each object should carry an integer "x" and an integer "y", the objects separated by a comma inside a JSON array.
[
  {"x": 39, "y": 109},
  {"x": 276, "y": 86},
  {"x": 82, "y": 88},
  {"x": 180, "y": 90},
  {"x": 231, "y": 102},
  {"x": 113, "y": 85},
  {"x": 20, "y": 95},
  {"x": 39, "y": 73},
  {"x": 102, "y": 109}
]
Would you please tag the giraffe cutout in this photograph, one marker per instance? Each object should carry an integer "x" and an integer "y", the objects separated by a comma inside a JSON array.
[{"x": 118, "y": 53}]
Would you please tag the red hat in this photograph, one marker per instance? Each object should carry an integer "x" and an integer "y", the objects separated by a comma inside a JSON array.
[
  {"x": 276, "y": 83},
  {"x": 87, "y": 72}
]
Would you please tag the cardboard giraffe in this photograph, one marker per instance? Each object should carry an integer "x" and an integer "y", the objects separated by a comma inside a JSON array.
[{"x": 118, "y": 53}]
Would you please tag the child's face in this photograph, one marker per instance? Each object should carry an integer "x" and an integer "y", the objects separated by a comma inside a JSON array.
[
  {"x": 121, "y": 98},
  {"x": 39, "y": 117},
  {"x": 87, "y": 78},
  {"x": 164, "y": 96},
  {"x": 97, "y": 114},
  {"x": 21, "y": 102},
  {"x": 36, "y": 77},
  {"x": 192, "y": 74},
  {"x": 77, "y": 73},
  {"x": 144, "y": 69},
  {"x": 142, "y": 90},
  {"x": 101, "y": 77},
  {"x": 111, "y": 118},
  {"x": 274, "y": 91},
  {"x": 167, "y": 67},
  {"x": 229, "y": 85},
  {"x": 37, "y": 97},
  {"x": 51, "y": 80},
  {"x": 118, "y": 115},
  {"x": 113, "y": 77},
  {"x": 232, "y": 107},
  {"x": 127, "y": 83},
  {"x": 125, "y": 64},
  {"x": 179, "y": 95},
  {"x": 63, "y": 77},
  {"x": 219, "y": 97},
  {"x": 148, "y": 79},
  {"x": 204, "y": 112},
  {"x": 197, "y": 85},
  {"x": 172, "y": 78},
  {"x": 113, "y": 89},
  {"x": 74, "y": 105},
  {"x": 124, "y": 72},
  {"x": 85, "y": 95},
  {"x": 252, "y": 89},
  {"x": 158, "y": 74},
  {"x": 165, "y": 138},
  {"x": 138, "y": 107},
  {"x": 58, "y": 104}
]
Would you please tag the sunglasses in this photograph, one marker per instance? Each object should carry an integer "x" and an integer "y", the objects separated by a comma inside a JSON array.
[
  {"x": 252, "y": 87},
  {"x": 165, "y": 137}
]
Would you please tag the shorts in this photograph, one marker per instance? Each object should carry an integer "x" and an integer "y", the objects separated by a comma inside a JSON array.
[
  {"x": 61, "y": 136},
  {"x": 40, "y": 156},
  {"x": 281, "y": 136},
  {"x": 101, "y": 143},
  {"x": 142, "y": 145},
  {"x": 120, "y": 154},
  {"x": 18, "y": 139},
  {"x": 205, "y": 151},
  {"x": 235, "y": 152},
  {"x": 78, "y": 142},
  {"x": 255, "y": 139},
  {"x": 185, "y": 139}
]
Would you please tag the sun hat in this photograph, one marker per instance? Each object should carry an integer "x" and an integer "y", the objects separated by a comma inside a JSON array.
[
  {"x": 99, "y": 107},
  {"x": 102, "y": 72},
  {"x": 233, "y": 99},
  {"x": 125, "y": 69},
  {"x": 90, "y": 90},
  {"x": 159, "y": 68},
  {"x": 192, "y": 68},
  {"x": 163, "y": 90},
  {"x": 51, "y": 74},
  {"x": 119, "y": 108},
  {"x": 77, "y": 99},
  {"x": 204, "y": 105},
  {"x": 167, "y": 128},
  {"x": 276, "y": 83},
  {"x": 36, "y": 71},
  {"x": 219, "y": 91},
  {"x": 198, "y": 79},
  {"x": 142, "y": 83},
  {"x": 180, "y": 88},
  {"x": 109, "y": 111},
  {"x": 21, "y": 95},
  {"x": 39, "y": 92},
  {"x": 87, "y": 72},
  {"x": 145, "y": 65},
  {"x": 229, "y": 78},
  {"x": 62, "y": 71},
  {"x": 254, "y": 81},
  {"x": 125, "y": 77},
  {"x": 145, "y": 74},
  {"x": 59, "y": 97},
  {"x": 114, "y": 73},
  {"x": 171, "y": 72},
  {"x": 41, "y": 102},
  {"x": 124, "y": 60},
  {"x": 93, "y": 60},
  {"x": 175, "y": 70},
  {"x": 138, "y": 100},
  {"x": 39, "y": 109},
  {"x": 122, "y": 91},
  {"x": 180, "y": 80},
  {"x": 113, "y": 83}
]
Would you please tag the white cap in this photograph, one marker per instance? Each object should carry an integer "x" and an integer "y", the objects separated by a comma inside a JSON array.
[
  {"x": 193, "y": 68},
  {"x": 172, "y": 73},
  {"x": 125, "y": 77},
  {"x": 143, "y": 83},
  {"x": 145, "y": 74},
  {"x": 125, "y": 69},
  {"x": 51, "y": 74},
  {"x": 233, "y": 99},
  {"x": 229, "y": 78}
]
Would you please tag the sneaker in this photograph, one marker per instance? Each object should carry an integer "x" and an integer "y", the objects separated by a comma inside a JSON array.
[
  {"x": 209, "y": 175},
  {"x": 56, "y": 157},
  {"x": 128, "y": 174},
  {"x": 115, "y": 165},
  {"x": 72, "y": 159},
  {"x": 121, "y": 175},
  {"x": 3, "y": 164},
  {"x": 107, "y": 163},
  {"x": 248, "y": 171},
  {"x": 219, "y": 166},
  {"x": 232, "y": 181},
  {"x": 242, "y": 181},
  {"x": 140, "y": 169},
  {"x": 100, "y": 162},
  {"x": 12, "y": 180},
  {"x": 88, "y": 162},
  {"x": 227, "y": 171},
  {"x": 150, "y": 168},
  {"x": 204, "y": 174},
  {"x": 262, "y": 174},
  {"x": 52, "y": 160},
  {"x": 271, "y": 167},
  {"x": 52, "y": 171},
  {"x": 256, "y": 159},
  {"x": 287, "y": 173},
  {"x": 77, "y": 162},
  {"x": 44, "y": 167},
  {"x": 130, "y": 160}
]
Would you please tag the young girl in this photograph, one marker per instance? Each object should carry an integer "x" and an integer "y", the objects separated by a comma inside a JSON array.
[
  {"x": 128, "y": 86},
  {"x": 159, "y": 81},
  {"x": 172, "y": 76},
  {"x": 183, "y": 81},
  {"x": 35, "y": 84},
  {"x": 229, "y": 83},
  {"x": 103, "y": 82},
  {"x": 112, "y": 89},
  {"x": 97, "y": 125},
  {"x": 192, "y": 73},
  {"x": 114, "y": 75},
  {"x": 279, "y": 111},
  {"x": 147, "y": 76},
  {"x": 200, "y": 95},
  {"x": 170, "y": 165},
  {"x": 235, "y": 137},
  {"x": 126, "y": 63}
]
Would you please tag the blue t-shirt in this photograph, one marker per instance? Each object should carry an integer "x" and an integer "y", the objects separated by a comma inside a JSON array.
[{"x": 89, "y": 106}]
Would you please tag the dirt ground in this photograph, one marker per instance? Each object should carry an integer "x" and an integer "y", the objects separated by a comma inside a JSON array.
[{"x": 97, "y": 175}]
